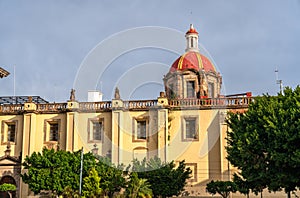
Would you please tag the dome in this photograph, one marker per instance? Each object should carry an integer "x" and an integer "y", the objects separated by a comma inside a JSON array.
[{"x": 193, "y": 60}]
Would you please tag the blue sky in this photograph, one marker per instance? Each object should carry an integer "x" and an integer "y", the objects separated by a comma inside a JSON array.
[{"x": 47, "y": 41}]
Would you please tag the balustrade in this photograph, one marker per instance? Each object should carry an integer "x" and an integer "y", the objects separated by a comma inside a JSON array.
[{"x": 232, "y": 102}]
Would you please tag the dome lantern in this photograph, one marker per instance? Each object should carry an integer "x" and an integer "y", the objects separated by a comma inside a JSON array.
[{"x": 191, "y": 39}]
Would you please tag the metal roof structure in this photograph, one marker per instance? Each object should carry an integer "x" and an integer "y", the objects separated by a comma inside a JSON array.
[
  {"x": 21, "y": 99},
  {"x": 3, "y": 73}
]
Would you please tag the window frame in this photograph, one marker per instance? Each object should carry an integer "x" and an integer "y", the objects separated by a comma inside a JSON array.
[
  {"x": 4, "y": 131},
  {"x": 193, "y": 91},
  {"x": 91, "y": 122},
  {"x": 135, "y": 129},
  {"x": 47, "y": 130},
  {"x": 184, "y": 129}
]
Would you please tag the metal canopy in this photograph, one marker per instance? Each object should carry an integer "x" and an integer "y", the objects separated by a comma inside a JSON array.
[
  {"x": 3, "y": 73},
  {"x": 21, "y": 99}
]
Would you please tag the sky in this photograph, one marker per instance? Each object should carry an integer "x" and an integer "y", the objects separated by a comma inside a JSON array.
[{"x": 50, "y": 47}]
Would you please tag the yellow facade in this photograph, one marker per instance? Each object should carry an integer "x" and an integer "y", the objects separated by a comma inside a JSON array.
[{"x": 165, "y": 133}]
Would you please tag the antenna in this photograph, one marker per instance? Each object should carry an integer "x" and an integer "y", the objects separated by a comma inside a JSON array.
[
  {"x": 14, "y": 85},
  {"x": 278, "y": 81}
]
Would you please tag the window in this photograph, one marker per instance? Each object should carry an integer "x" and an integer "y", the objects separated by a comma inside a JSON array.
[
  {"x": 190, "y": 87},
  {"x": 140, "y": 129},
  {"x": 9, "y": 131},
  {"x": 53, "y": 135},
  {"x": 52, "y": 130},
  {"x": 95, "y": 130},
  {"x": 211, "y": 90},
  {"x": 193, "y": 167},
  {"x": 190, "y": 128},
  {"x": 172, "y": 94}
]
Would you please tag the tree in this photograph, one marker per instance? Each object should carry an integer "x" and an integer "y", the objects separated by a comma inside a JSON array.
[
  {"x": 138, "y": 188},
  {"x": 91, "y": 185},
  {"x": 7, "y": 188},
  {"x": 165, "y": 179},
  {"x": 112, "y": 178},
  {"x": 264, "y": 142},
  {"x": 242, "y": 185},
  {"x": 221, "y": 187},
  {"x": 55, "y": 170}
]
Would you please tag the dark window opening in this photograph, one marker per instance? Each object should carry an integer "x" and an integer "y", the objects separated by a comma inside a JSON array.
[
  {"x": 97, "y": 130},
  {"x": 191, "y": 89},
  {"x": 141, "y": 129},
  {"x": 53, "y": 132},
  {"x": 190, "y": 127},
  {"x": 11, "y": 132}
]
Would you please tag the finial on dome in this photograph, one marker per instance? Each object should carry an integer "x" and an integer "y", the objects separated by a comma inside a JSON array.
[{"x": 191, "y": 26}]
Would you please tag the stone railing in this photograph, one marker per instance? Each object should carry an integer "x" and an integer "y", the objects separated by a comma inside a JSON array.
[
  {"x": 236, "y": 102},
  {"x": 232, "y": 102},
  {"x": 94, "y": 106},
  {"x": 139, "y": 104},
  {"x": 51, "y": 107},
  {"x": 11, "y": 108}
]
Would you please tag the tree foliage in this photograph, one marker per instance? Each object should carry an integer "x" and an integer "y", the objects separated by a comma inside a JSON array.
[
  {"x": 112, "y": 177},
  {"x": 264, "y": 142},
  {"x": 91, "y": 185},
  {"x": 59, "y": 172},
  {"x": 8, "y": 188},
  {"x": 224, "y": 188},
  {"x": 138, "y": 188},
  {"x": 55, "y": 170},
  {"x": 165, "y": 179}
]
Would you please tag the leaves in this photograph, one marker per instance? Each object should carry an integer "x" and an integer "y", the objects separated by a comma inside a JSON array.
[
  {"x": 221, "y": 187},
  {"x": 165, "y": 179},
  {"x": 264, "y": 142}
]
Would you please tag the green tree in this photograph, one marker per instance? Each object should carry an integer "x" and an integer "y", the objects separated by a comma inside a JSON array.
[
  {"x": 138, "y": 188},
  {"x": 224, "y": 188},
  {"x": 112, "y": 177},
  {"x": 165, "y": 179},
  {"x": 7, "y": 188},
  {"x": 264, "y": 142},
  {"x": 242, "y": 185},
  {"x": 91, "y": 185},
  {"x": 55, "y": 170},
  {"x": 70, "y": 193}
]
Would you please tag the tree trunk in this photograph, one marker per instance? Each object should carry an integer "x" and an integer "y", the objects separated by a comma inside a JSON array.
[
  {"x": 289, "y": 194},
  {"x": 261, "y": 194}
]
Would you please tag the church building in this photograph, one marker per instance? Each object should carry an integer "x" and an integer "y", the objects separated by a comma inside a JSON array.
[{"x": 185, "y": 122}]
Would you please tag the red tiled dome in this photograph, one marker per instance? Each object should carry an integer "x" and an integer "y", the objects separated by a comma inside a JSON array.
[{"x": 193, "y": 60}]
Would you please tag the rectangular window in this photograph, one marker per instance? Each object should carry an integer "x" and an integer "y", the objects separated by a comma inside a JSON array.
[
  {"x": 11, "y": 132},
  {"x": 51, "y": 131},
  {"x": 141, "y": 129},
  {"x": 190, "y": 86},
  {"x": 95, "y": 130},
  {"x": 190, "y": 128},
  {"x": 211, "y": 90},
  {"x": 53, "y": 135}
]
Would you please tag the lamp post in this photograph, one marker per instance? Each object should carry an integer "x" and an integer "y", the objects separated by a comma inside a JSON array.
[{"x": 81, "y": 167}]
